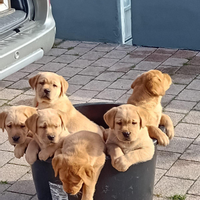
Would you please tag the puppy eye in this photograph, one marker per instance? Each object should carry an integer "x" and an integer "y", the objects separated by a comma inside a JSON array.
[
  {"x": 119, "y": 123},
  {"x": 41, "y": 83},
  {"x": 44, "y": 126},
  {"x": 54, "y": 85},
  {"x": 134, "y": 123},
  {"x": 22, "y": 126},
  {"x": 9, "y": 126}
]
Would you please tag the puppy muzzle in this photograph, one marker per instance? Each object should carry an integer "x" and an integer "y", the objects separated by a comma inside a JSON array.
[
  {"x": 16, "y": 139},
  {"x": 126, "y": 135}
]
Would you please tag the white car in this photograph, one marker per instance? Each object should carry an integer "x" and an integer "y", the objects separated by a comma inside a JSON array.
[{"x": 27, "y": 31}]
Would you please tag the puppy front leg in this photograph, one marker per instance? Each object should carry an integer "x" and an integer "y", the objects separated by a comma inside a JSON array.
[
  {"x": 134, "y": 157},
  {"x": 49, "y": 151},
  {"x": 114, "y": 151},
  {"x": 157, "y": 134},
  {"x": 32, "y": 151},
  {"x": 168, "y": 124},
  {"x": 88, "y": 192},
  {"x": 21, "y": 148}
]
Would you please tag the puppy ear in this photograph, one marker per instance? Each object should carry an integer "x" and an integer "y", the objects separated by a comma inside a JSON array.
[
  {"x": 64, "y": 86},
  {"x": 167, "y": 81},
  {"x": 143, "y": 116},
  {"x": 137, "y": 81},
  {"x": 3, "y": 116},
  {"x": 86, "y": 173},
  {"x": 33, "y": 81},
  {"x": 155, "y": 85},
  {"x": 57, "y": 163},
  {"x": 109, "y": 117},
  {"x": 64, "y": 118},
  {"x": 31, "y": 123},
  {"x": 29, "y": 111}
]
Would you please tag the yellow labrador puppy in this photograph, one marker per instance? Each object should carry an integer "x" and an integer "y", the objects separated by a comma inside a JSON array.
[
  {"x": 48, "y": 131},
  {"x": 79, "y": 163},
  {"x": 13, "y": 120},
  {"x": 148, "y": 90},
  {"x": 128, "y": 140},
  {"x": 50, "y": 91}
]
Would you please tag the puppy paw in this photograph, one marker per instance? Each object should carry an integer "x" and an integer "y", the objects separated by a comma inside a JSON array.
[
  {"x": 121, "y": 164},
  {"x": 163, "y": 140},
  {"x": 43, "y": 155},
  {"x": 30, "y": 159},
  {"x": 170, "y": 132},
  {"x": 19, "y": 152}
]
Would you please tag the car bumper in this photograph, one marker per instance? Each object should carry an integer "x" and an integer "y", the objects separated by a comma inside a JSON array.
[{"x": 27, "y": 46}]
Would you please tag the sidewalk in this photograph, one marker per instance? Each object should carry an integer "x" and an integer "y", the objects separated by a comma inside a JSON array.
[{"x": 99, "y": 72}]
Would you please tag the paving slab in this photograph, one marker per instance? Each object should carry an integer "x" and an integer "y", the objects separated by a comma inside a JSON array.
[
  {"x": 182, "y": 78},
  {"x": 92, "y": 71},
  {"x": 52, "y": 67},
  {"x": 185, "y": 169},
  {"x": 14, "y": 196},
  {"x": 66, "y": 59},
  {"x": 193, "y": 117},
  {"x": 187, "y": 130},
  {"x": 56, "y": 52},
  {"x": 166, "y": 159},
  {"x": 177, "y": 145},
  {"x": 116, "y": 54},
  {"x": 81, "y": 63},
  {"x": 31, "y": 68},
  {"x": 192, "y": 153},
  {"x": 185, "y": 54},
  {"x": 96, "y": 85},
  {"x": 180, "y": 106},
  {"x": 9, "y": 94},
  {"x": 24, "y": 185},
  {"x": 175, "y": 61},
  {"x": 111, "y": 94},
  {"x": 189, "y": 95},
  {"x": 68, "y": 71},
  {"x": 4, "y": 84},
  {"x": 147, "y": 65},
  {"x": 121, "y": 67},
  {"x": 16, "y": 76},
  {"x": 121, "y": 84},
  {"x": 12, "y": 173},
  {"x": 99, "y": 72},
  {"x": 169, "y": 186},
  {"x": 109, "y": 76},
  {"x": 45, "y": 59},
  {"x": 105, "y": 62},
  {"x": 194, "y": 85},
  {"x": 195, "y": 189}
]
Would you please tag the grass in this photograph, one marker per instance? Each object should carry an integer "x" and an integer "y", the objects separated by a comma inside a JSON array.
[
  {"x": 132, "y": 67},
  {"x": 178, "y": 197},
  {"x": 70, "y": 48},
  {"x": 3, "y": 182}
]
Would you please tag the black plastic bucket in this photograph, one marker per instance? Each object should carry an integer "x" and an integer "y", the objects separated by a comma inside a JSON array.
[{"x": 135, "y": 184}]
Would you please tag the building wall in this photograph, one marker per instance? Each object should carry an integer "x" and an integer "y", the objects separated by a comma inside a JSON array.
[
  {"x": 166, "y": 23},
  {"x": 89, "y": 20}
]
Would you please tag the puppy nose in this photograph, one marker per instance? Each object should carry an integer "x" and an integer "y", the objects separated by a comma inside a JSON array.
[
  {"x": 126, "y": 134},
  {"x": 46, "y": 91},
  {"x": 51, "y": 137},
  {"x": 15, "y": 138}
]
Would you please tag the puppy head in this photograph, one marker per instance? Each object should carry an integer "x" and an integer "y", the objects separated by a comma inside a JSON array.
[
  {"x": 156, "y": 82},
  {"x": 72, "y": 173},
  {"x": 13, "y": 120},
  {"x": 48, "y": 86},
  {"x": 47, "y": 125},
  {"x": 126, "y": 120}
]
